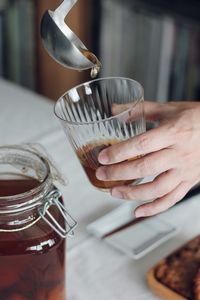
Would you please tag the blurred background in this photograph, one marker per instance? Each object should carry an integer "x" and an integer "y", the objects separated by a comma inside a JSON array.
[{"x": 156, "y": 42}]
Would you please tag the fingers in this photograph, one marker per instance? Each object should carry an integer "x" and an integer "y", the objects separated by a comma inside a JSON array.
[
  {"x": 151, "y": 141},
  {"x": 163, "y": 203},
  {"x": 151, "y": 164},
  {"x": 160, "y": 186},
  {"x": 153, "y": 110},
  {"x": 119, "y": 108}
]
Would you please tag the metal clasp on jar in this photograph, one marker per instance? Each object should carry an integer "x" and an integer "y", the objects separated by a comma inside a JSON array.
[{"x": 53, "y": 199}]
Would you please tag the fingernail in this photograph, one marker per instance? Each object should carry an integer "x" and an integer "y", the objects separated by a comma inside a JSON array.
[
  {"x": 140, "y": 213},
  {"x": 117, "y": 194},
  {"x": 103, "y": 157},
  {"x": 101, "y": 174}
]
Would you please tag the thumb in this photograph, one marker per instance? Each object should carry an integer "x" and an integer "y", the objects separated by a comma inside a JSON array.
[{"x": 153, "y": 111}]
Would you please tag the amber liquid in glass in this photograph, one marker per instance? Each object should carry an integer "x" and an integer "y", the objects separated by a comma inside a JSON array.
[
  {"x": 88, "y": 155},
  {"x": 32, "y": 264}
]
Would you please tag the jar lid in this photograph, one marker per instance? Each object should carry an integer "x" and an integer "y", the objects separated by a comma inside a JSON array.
[{"x": 33, "y": 161}]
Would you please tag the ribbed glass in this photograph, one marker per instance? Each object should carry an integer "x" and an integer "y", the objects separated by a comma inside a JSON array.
[{"x": 86, "y": 113}]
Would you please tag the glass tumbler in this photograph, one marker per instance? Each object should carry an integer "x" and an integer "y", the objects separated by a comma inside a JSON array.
[{"x": 87, "y": 116}]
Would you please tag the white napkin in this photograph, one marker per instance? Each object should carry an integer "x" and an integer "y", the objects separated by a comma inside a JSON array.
[{"x": 96, "y": 271}]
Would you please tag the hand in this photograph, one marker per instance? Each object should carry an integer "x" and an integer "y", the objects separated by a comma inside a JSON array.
[{"x": 172, "y": 153}]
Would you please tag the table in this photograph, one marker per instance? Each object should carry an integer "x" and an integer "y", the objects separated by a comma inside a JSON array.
[{"x": 94, "y": 269}]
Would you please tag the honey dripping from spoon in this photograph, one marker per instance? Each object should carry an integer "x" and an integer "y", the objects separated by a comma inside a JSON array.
[{"x": 97, "y": 65}]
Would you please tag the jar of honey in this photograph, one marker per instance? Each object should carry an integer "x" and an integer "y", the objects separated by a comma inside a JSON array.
[{"x": 33, "y": 227}]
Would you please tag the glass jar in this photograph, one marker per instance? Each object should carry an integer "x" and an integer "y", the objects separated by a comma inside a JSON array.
[{"x": 33, "y": 228}]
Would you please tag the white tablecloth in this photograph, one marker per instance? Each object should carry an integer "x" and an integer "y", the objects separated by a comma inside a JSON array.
[{"x": 95, "y": 271}]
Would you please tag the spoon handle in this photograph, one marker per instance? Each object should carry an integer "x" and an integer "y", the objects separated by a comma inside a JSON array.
[{"x": 63, "y": 9}]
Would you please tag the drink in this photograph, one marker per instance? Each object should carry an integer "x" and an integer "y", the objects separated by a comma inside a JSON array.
[
  {"x": 97, "y": 65},
  {"x": 86, "y": 115},
  {"x": 88, "y": 156},
  {"x": 14, "y": 187},
  {"x": 31, "y": 260}
]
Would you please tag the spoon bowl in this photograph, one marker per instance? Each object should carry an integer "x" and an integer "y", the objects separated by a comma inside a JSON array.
[{"x": 61, "y": 42}]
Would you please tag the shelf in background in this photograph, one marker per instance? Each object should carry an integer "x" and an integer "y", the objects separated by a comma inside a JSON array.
[
  {"x": 23, "y": 58},
  {"x": 176, "y": 8}
]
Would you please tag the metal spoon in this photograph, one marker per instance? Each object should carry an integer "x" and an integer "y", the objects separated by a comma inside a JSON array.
[{"x": 61, "y": 43}]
